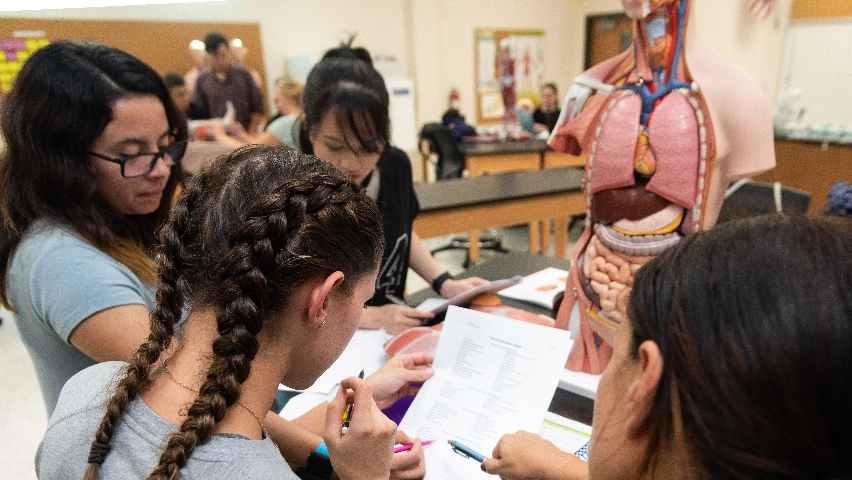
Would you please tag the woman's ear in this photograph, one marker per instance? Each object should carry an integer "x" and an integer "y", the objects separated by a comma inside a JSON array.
[
  {"x": 642, "y": 394},
  {"x": 319, "y": 298}
]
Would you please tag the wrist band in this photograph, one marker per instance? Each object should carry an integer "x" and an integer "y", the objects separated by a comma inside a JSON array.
[
  {"x": 318, "y": 465},
  {"x": 439, "y": 281},
  {"x": 322, "y": 449}
]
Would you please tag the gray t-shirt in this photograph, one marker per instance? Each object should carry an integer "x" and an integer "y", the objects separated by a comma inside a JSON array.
[
  {"x": 140, "y": 438},
  {"x": 57, "y": 280},
  {"x": 283, "y": 128}
]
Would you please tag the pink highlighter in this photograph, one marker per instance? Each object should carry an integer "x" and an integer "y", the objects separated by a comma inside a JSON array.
[{"x": 404, "y": 448}]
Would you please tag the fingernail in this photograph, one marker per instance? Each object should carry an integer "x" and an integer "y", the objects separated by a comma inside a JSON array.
[{"x": 482, "y": 467}]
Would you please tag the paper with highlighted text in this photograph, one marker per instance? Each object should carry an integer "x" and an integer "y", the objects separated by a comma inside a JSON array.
[{"x": 493, "y": 375}]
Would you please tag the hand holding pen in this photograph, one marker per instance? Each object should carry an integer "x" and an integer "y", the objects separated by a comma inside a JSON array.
[
  {"x": 366, "y": 450},
  {"x": 347, "y": 414},
  {"x": 527, "y": 456}
]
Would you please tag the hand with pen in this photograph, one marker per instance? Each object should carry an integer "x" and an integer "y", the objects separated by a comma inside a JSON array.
[
  {"x": 527, "y": 456},
  {"x": 365, "y": 451},
  {"x": 401, "y": 377}
]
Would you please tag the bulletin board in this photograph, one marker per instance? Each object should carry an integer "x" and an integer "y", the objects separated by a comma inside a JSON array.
[
  {"x": 163, "y": 45},
  {"x": 507, "y": 60}
]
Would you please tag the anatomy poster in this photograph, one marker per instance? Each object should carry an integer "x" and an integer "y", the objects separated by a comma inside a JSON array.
[{"x": 510, "y": 66}]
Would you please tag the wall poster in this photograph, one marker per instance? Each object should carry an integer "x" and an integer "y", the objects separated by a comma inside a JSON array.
[{"x": 510, "y": 66}]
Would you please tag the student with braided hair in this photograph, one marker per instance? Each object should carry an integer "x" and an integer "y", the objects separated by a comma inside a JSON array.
[{"x": 274, "y": 254}]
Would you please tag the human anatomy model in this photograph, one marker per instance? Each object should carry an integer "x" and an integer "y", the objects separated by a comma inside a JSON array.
[{"x": 666, "y": 125}]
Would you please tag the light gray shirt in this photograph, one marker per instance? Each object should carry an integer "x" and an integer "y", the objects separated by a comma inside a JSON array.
[
  {"x": 140, "y": 438},
  {"x": 57, "y": 280},
  {"x": 284, "y": 127}
]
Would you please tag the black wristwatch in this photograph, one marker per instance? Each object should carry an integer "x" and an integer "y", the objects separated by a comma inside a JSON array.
[
  {"x": 439, "y": 281},
  {"x": 318, "y": 467}
]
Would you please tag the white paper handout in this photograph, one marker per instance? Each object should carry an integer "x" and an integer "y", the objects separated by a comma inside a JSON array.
[
  {"x": 540, "y": 288},
  {"x": 493, "y": 375}
]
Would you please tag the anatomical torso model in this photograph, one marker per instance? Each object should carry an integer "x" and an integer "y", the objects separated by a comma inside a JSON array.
[{"x": 666, "y": 125}]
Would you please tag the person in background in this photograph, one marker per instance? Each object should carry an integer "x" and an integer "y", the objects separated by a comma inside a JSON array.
[
  {"x": 240, "y": 51},
  {"x": 227, "y": 83},
  {"x": 92, "y": 162},
  {"x": 182, "y": 98},
  {"x": 200, "y": 61},
  {"x": 733, "y": 364},
  {"x": 346, "y": 122},
  {"x": 546, "y": 115},
  {"x": 272, "y": 254},
  {"x": 455, "y": 121},
  {"x": 285, "y": 129}
]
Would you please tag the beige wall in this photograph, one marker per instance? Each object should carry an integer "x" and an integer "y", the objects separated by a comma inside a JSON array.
[{"x": 435, "y": 37}]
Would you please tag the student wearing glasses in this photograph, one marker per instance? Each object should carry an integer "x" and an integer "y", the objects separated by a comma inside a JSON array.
[{"x": 90, "y": 169}]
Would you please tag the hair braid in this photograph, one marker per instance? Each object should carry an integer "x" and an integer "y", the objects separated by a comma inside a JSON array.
[
  {"x": 259, "y": 248},
  {"x": 169, "y": 301}
]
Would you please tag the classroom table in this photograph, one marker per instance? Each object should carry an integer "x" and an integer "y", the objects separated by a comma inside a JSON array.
[
  {"x": 493, "y": 201},
  {"x": 514, "y": 155},
  {"x": 566, "y": 402}
]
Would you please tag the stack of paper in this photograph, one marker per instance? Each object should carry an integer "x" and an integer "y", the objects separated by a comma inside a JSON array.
[{"x": 493, "y": 375}]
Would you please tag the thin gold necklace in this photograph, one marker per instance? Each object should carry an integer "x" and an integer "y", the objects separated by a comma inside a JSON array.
[{"x": 262, "y": 427}]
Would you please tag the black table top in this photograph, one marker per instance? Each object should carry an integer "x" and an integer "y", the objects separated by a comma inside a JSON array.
[
  {"x": 505, "y": 146},
  {"x": 459, "y": 192}
]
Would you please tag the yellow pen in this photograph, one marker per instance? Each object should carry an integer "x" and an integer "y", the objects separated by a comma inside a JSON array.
[{"x": 347, "y": 413}]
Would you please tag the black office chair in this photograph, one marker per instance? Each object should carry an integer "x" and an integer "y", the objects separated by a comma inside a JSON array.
[
  {"x": 746, "y": 198},
  {"x": 436, "y": 140}
]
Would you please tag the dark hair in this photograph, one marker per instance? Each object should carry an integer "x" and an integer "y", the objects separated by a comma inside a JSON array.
[
  {"x": 754, "y": 322},
  {"x": 59, "y": 105},
  {"x": 356, "y": 93},
  {"x": 212, "y": 41},
  {"x": 172, "y": 79},
  {"x": 249, "y": 230},
  {"x": 552, "y": 86},
  {"x": 346, "y": 50}
]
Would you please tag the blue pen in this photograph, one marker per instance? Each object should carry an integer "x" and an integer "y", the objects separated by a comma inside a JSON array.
[{"x": 466, "y": 451}]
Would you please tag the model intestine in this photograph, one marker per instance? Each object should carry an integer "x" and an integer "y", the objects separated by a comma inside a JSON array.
[{"x": 651, "y": 174}]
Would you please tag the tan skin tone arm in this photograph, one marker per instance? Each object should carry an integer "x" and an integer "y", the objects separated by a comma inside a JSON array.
[{"x": 112, "y": 334}]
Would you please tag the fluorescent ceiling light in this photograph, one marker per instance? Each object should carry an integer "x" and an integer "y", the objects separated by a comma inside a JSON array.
[{"x": 6, "y": 5}]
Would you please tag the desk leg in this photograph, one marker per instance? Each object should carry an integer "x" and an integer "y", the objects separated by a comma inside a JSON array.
[
  {"x": 534, "y": 228},
  {"x": 545, "y": 236},
  {"x": 560, "y": 242},
  {"x": 474, "y": 246}
]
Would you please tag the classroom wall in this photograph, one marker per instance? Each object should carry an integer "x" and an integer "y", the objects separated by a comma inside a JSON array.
[
  {"x": 288, "y": 27},
  {"x": 436, "y": 37}
]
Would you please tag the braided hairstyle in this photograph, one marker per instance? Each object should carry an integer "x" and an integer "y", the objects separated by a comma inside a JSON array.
[{"x": 247, "y": 232}]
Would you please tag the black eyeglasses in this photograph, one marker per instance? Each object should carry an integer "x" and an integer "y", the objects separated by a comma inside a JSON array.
[{"x": 142, "y": 163}]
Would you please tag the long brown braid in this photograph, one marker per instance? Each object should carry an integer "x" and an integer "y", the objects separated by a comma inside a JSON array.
[{"x": 247, "y": 232}]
